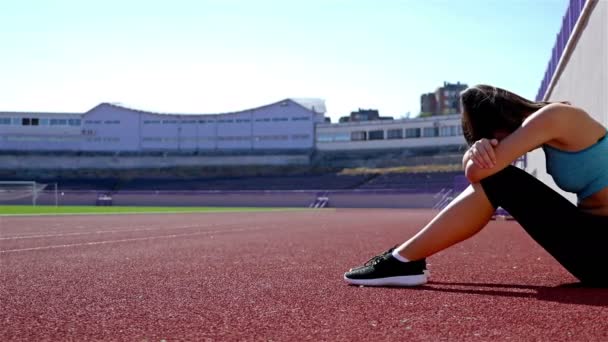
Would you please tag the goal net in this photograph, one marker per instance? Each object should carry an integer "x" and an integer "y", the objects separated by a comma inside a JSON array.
[{"x": 12, "y": 191}]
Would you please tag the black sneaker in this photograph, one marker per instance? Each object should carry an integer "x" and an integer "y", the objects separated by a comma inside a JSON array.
[
  {"x": 426, "y": 270},
  {"x": 385, "y": 270}
]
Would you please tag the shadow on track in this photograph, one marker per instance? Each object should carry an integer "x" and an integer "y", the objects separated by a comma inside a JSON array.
[{"x": 574, "y": 293}]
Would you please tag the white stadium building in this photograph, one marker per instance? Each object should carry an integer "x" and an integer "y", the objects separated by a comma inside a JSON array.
[
  {"x": 291, "y": 124},
  {"x": 287, "y": 124}
]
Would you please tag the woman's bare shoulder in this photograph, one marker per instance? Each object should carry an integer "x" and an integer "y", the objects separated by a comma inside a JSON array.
[{"x": 559, "y": 114}]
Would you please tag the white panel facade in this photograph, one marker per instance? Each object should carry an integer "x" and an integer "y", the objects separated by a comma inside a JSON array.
[
  {"x": 283, "y": 125},
  {"x": 207, "y": 132},
  {"x": 110, "y": 128},
  {"x": 40, "y": 131},
  {"x": 160, "y": 132},
  {"x": 188, "y": 133},
  {"x": 234, "y": 131},
  {"x": 583, "y": 81},
  {"x": 113, "y": 128}
]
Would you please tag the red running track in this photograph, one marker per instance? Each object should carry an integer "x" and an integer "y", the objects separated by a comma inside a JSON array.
[{"x": 277, "y": 276}]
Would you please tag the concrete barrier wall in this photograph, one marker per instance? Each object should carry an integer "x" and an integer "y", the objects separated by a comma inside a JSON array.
[
  {"x": 298, "y": 199},
  {"x": 134, "y": 162}
]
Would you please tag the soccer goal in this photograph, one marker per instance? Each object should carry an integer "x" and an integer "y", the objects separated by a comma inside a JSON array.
[{"x": 16, "y": 190}]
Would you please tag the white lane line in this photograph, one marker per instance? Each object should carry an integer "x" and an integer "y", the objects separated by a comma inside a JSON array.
[
  {"x": 126, "y": 240},
  {"x": 262, "y": 210},
  {"x": 20, "y": 237}
]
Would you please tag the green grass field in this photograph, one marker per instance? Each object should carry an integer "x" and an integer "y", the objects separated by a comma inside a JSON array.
[{"x": 7, "y": 210}]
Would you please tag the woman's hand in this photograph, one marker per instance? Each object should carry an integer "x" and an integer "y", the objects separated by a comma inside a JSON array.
[{"x": 482, "y": 153}]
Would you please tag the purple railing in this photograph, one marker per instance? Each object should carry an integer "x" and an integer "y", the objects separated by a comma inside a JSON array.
[{"x": 569, "y": 21}]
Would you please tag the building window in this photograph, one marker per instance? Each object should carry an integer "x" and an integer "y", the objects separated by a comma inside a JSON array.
[
  {"x": 271, "y": 137},
  {"x": 430, "y": 131},
  {"x": 234, "y": 138},
  {"x": 376, "y": 135},
  {"x": 25, "y": 121},
  {"x": 341, "y": 136},
  {"x": 5, "y": 121},
  {"x": 59, "y": 122},
  {"x": 152, "y": 139},
  {"x": 324, "y": 137},
  {"x": 74, "y": 122},
  {"x": 394, "y": 134},
  {"x": 300, "y": 137},
  {"x": 35, "y": 121},
  {"x": 412, "y": 133},
  {"x": 444, "y": 131},
  {"x": 204, "y": 139},
  {"x": 358, "y": 135}
]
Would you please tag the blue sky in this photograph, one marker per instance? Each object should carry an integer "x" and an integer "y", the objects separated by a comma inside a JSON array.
[{"x": 212, "y": 56}]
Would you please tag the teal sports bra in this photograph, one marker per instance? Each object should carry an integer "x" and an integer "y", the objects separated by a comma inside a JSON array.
[{"x": 583, "y": 172}]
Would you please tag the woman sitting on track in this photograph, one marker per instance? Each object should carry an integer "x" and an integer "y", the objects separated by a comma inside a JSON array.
[{"x": 500, "y": 127}]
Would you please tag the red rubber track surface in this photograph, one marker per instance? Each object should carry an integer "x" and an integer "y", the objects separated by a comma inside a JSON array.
[{"x": 277, "y": 276}]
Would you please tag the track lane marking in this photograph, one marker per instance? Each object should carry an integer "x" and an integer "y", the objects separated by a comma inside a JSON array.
[
  {"x": 126, "y": 240},
  {"x": 32, "y": 236}
]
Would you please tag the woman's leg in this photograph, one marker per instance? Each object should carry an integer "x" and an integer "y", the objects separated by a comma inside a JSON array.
[
  {"x": 466, "y": 215},
  {"x": 575, "y": 239}
]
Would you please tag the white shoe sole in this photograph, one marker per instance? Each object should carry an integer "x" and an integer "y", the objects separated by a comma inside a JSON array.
[
  {"x": 427, "y": 273},
  {"x": 412, "y": 280}
]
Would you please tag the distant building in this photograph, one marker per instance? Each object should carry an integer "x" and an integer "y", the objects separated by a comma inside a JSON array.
[
  {"x": 448, "y": 98},
  {"x": 364, "y": 115},
  {"x": 428, "y": 103},
  {"x": 445, "y": 100},
  {"x": 439, "y": 131}
]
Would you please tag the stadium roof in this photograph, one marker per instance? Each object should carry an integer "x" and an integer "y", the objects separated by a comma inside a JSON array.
[{"x": 312, "y": 104}]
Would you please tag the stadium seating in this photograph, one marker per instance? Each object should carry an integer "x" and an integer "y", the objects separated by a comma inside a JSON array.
[
  {"x": 415, "y": 182},
  {"x": 330, "y": 181},
  {"x": 428, "y": 182}
]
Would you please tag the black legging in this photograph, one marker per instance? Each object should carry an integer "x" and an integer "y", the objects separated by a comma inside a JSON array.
[{"x": 576, "y": 239}]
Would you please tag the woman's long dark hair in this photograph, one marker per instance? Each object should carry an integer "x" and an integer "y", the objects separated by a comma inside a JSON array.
[{"x": 486, "y": 109}]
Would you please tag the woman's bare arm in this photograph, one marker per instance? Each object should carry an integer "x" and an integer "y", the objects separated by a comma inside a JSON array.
[{"x": 542, "y": 126}]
